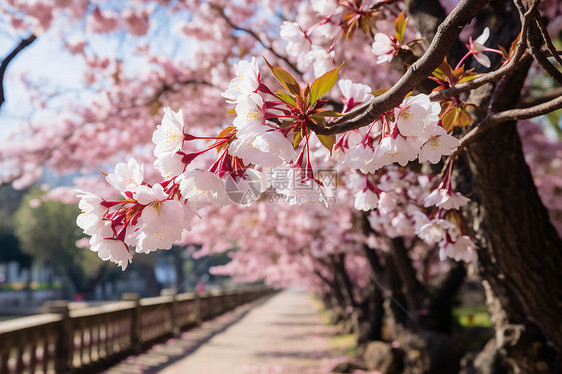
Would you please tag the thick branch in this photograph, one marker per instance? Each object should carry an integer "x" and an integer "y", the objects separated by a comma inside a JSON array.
[
  {"x": 4, "y": 65},
  {"x": 427, "y": 16},
  {"x": 446, "y": 35},
  {"x": 509, "y": 115},
  {"x": 525, "y": 113}
]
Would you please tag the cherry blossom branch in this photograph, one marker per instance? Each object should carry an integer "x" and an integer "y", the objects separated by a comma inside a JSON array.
[
  {"x": 478, "y": 82},
  {"x": 253, "y": 34},
  {"x": 508, "y": 115},
  {"x": 4, "y": 65},
  {"x": 446, "y": 35},
  {"x": 519, "y": 56}
]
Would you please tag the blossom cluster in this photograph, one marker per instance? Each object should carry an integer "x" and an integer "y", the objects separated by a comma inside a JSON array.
[
  {"x": 407, "y": 207},
  {"x": 269, "y": 139},
  {"x": 411, "y": 131}
]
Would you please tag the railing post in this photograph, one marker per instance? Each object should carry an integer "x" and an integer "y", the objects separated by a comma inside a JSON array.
[
  {"x": 136, "y": 343},
  {"x": 172, "y": 294},
  {"x": 197, "y": 309},
  {"x": 64, "y": 346}
]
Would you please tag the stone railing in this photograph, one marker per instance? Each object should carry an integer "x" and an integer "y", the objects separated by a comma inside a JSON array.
[{"x": 89, "y": 339}]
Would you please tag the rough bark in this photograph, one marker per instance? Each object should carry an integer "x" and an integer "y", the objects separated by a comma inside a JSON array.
[{"x": 521, "y": 253}]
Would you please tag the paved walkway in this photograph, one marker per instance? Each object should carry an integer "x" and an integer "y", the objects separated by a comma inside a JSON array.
[{"x": 285, "y": 334}]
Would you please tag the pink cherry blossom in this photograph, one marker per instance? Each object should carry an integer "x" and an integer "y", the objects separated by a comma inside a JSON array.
[
  {"x": 439, "y": 144},
  {"x": 366, "y": 200},
  {"x": 463, "y": 249},
  {"x": 247, "y": 80},
  {"x": 476, "y": 48},
  {"x": 169, "y": 136},
  {"x": 383, "y": 47},
  {"x": 127, "y": 176}
]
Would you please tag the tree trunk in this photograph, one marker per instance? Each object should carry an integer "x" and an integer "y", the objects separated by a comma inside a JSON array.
[
  {"x": 520, "y": 256},
  {"x": 521, "y": 253}
]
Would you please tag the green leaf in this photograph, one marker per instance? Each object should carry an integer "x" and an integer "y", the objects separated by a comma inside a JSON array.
[
  {"x": 328, "y": 113},
  {"x": 449, "y": 119},
  {"x": 323, "y": 84},
  {"x": 286, "y": 124},
  {"x": 444, "y": 71},
  {"x": 320, "y": 121},
  {"x": 455, "y": 117},
  {"x": 400, "y": 26},
  {"x": 297, "y": 137},
  {"x": 327, "y": 141},
  {"x": 469, "y": 77},
  {"x": 286, "y": 79},
  {"x": 379, "y": 92},
  {"x": 286, "y": 98}
]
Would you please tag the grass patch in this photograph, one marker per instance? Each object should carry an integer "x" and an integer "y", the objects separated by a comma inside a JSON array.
[
  {"x": 477, "y": 316},
  {"x": 344, "y": 344}
]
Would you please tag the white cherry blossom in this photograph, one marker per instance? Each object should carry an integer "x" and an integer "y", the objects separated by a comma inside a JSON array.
[
  {"x": 383, "y": 47},
  {"x": 250, "y": 114},
  {"x": 126, "y": 176},
  {"x": 169, "y": 164},
  {"x": 446, "y": 199},
  {"x": 463, "y": 249},
  {"x": 169, "y": 136},
  {"x": 415, "y": 114},
  {"x": 399, "y": 149},
  {"x": 297, "y": 41},
  {"x": 358, "y": 156},
  {"x": 477, "y": 48},
  {"x": 366, "y": 200},
  {"x": 439, "y": 144},
  {"x": 269, "y": 148},
  {"x": 201, "y": 187},
  {"x": 113, "y": 250},
  {"x": 354, "y": 93},
  {"x": 247, "y": 80}
]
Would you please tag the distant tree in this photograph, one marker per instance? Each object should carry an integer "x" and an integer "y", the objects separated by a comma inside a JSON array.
[
  {"x": 9, "y": 244},
  {"x": 47, "y": 231}
]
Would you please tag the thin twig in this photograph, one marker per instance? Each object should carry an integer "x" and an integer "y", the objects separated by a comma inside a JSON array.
[
  {"x": 253, "y": 34},
  {"x": 535, "y": 41},
  {"x": 548, "y": 40},
  {"x": 4, "y": 65}
]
